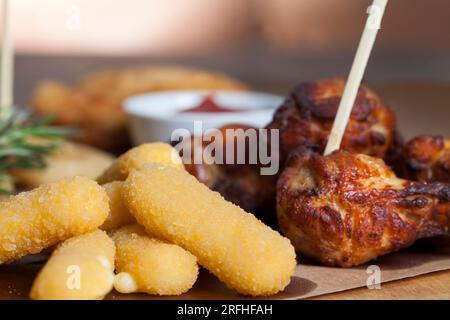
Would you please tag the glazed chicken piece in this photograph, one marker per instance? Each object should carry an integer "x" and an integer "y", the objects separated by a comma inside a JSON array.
[
  {"x": 306, "y": 117},
  {"x": 240, "y": 184},
  {"x": 347, "y": 209},
  {"x": 251, "y": 191},
  {"x": 308, "y": 114},
  {"x": 209, "y": 171},
  {"x": 427, "y": 158}
]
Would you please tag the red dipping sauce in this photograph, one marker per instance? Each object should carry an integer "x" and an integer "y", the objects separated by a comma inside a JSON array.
[{"x": 208, "y": 105}]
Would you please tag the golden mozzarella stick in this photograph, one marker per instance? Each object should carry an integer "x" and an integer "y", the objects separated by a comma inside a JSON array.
[
  {"x": 38, "y": 219},
  {"x": 118, "y": 212},
  {"x": 231, "y": 243},
  {"x": 81, "y": 268},
  {"x": 137, "y": 157},
  {"x": 146, "y": 264}
]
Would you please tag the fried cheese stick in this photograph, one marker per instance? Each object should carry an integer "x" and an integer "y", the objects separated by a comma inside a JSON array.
[
  {"x": 81, "y": 268},
  {"x": 54, "y": 212},
  {"x": 231, "y": 243},
  {"x": 119, "y": 215},
  {"x": 137, "y": 157},
  {"x": 146, "y": 264}
]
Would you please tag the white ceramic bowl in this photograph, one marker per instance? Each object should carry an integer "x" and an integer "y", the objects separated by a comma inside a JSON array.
[{"x": 154, "y": 116}]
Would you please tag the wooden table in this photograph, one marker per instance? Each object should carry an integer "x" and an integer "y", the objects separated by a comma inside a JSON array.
[
  {"x": 428, "y": 287},
  {"x": 421, "y": 107}
]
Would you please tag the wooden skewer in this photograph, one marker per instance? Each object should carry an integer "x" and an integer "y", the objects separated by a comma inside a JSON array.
[
  {"x": 7, "y": 61},
  {"x": 376, "y": 11}
]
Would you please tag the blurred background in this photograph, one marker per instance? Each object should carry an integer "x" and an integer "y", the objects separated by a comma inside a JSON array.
[
  {"x": 264, "y": 45},
  {"x": 269, "y": 44},
  {"x": 259, "y": 41}
]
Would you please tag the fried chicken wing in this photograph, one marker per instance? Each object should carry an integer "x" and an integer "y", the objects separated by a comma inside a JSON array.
[
  {"x": 308, "y": 113},
  {"x": 347, "y": 209},
  {"x": 427, "y": 158}
]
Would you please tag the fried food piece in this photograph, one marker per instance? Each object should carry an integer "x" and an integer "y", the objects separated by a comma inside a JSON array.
[
  {"x": 427, "y": 158},
  {"x": 137, "y": 157},
  {"x": 119, "y": 84},
  {"x": 81, "y": 268},
  {"x": 54, "y": 212},
  {"x": 101, "y": 120},
  {"x": 232, "y": 244},
  {"x": 146, "y": 264},
  {"x": 95, "y": 105},
  {"x": 347, "y": 209},
  {"x": 69, "y": 160},
  {"x": 308, "y": 114},
  {"x": 118, "y": 212}
]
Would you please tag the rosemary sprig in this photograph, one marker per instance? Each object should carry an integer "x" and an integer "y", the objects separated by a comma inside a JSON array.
[{"x": 24, "y": 141}]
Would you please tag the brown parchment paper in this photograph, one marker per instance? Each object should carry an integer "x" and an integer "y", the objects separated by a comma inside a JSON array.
[
  {"x": 313, "y": 280},
  {"x": 309, "y": 280}
]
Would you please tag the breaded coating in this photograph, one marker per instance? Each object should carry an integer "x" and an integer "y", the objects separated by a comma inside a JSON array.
[
  {"x": 54, "y": 212},
  {"x": 231, "y": 243},
  {"x": 81, "y": 268},
  {"x": 119, "y": 215},
  {"x": 146, "y": 264},
  {"x": 137, "y": 157}
]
